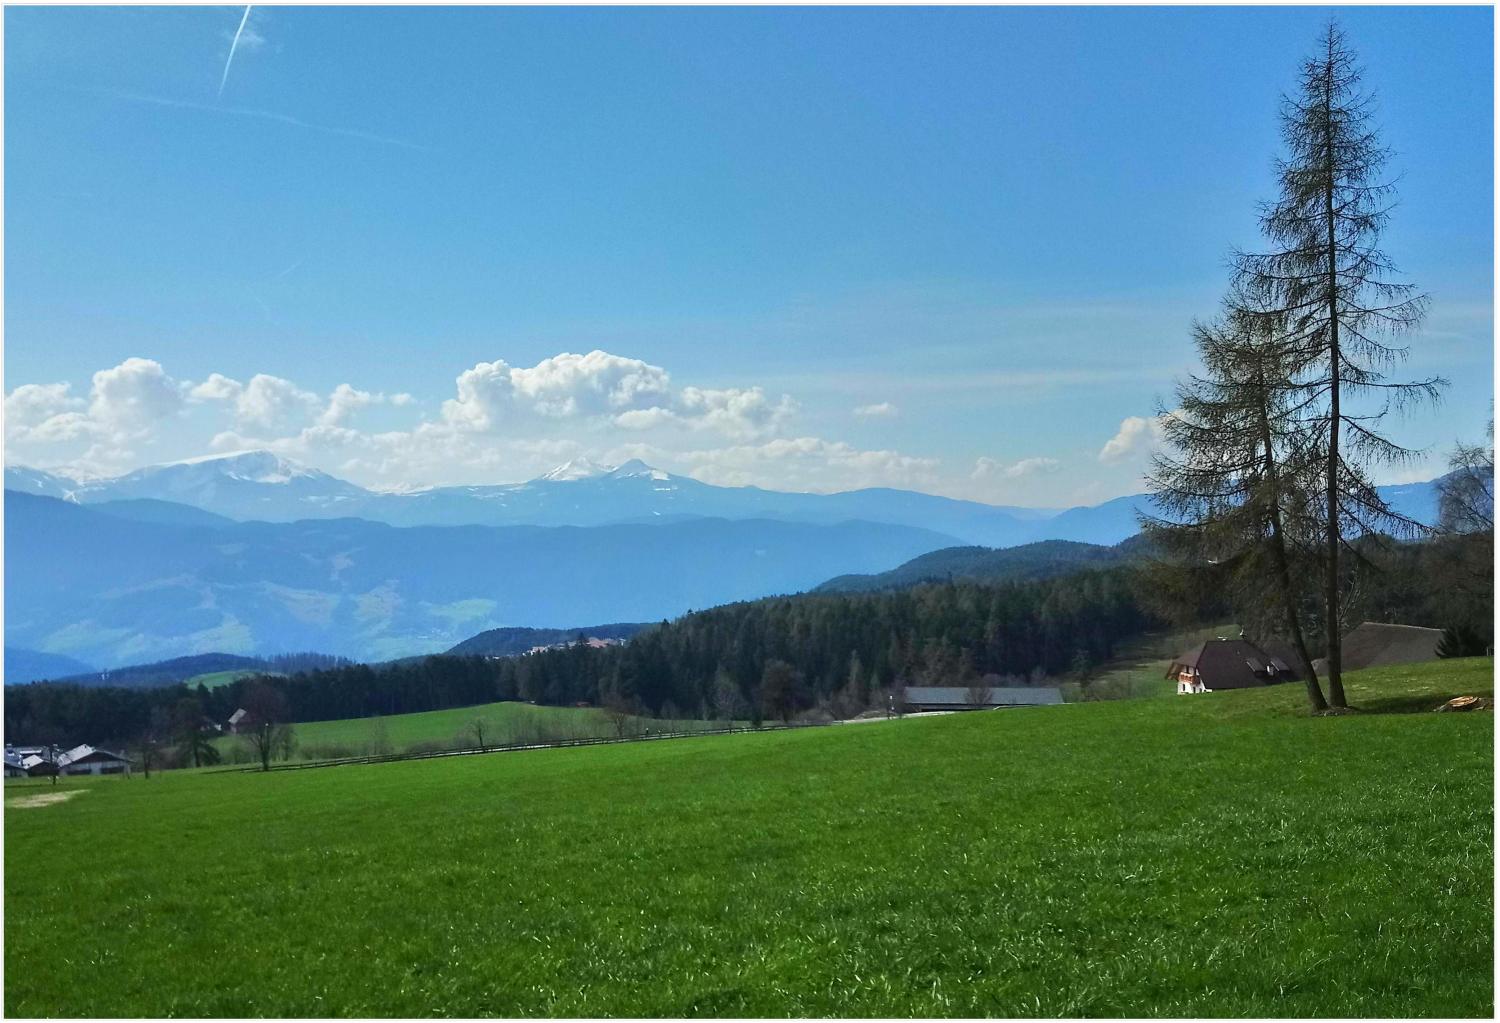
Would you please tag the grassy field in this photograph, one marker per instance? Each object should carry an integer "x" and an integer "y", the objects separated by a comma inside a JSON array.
[
  {"x": 1222, "y": 854},
  {"x": 504, "y": 724},
  {"x": 215, "y": 679}
]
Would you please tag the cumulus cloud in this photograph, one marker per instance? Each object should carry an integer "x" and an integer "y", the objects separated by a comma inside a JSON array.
[
  {"x": 274, "y": 403},
  {"x": 629, "y": 393},
  {"x": 592, "y": 384},
  {"x": 484, "y": 397},
  {"x": 1136, "y": 435},
  {"x": 126, "y": 404},
  {"x": 344, "y": 402},
  {"x": 128, "y": 400},
  {"x": 501, "y": 423},
  {"x": 986, "y": 468},
  {"x": 880, "y": 410},
  {"x": 42, "y": 412},
  {"x": 217, "y": 388},
  {"x": 736, "y": 412}
]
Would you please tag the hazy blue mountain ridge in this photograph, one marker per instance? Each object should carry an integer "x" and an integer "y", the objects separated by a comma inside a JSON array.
[{"x": 109, "y": 590}]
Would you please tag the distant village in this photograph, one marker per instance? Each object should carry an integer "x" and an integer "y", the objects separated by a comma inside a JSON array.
[
  {"x": 592, "y": 641},
  {"x": 47, "y": 761},
  {"x": 52, "y": 761}
]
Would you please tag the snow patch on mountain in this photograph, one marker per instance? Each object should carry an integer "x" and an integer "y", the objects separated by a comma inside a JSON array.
[{"x": 582, "y": 468}]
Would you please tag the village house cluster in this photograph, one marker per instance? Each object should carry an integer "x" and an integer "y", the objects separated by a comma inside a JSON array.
[{"x": 34, "y": 761}]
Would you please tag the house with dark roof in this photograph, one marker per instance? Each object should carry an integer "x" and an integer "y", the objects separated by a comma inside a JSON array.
[
  {"x": 1374, "y": 644},
  {"x": 983, "y": 697},
  {"x": 1233, "y": 664}
]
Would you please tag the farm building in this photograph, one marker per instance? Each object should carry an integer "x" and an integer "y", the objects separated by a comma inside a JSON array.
[
  {"x": 1374, "y": 644},
  {"x": 238, "y": 716},
  {"x": 31, "y": 760},
  {"x": 920, "y": 698},
  {"x": 1233, "y": 664},
  {"x": 85, "y": 759}
]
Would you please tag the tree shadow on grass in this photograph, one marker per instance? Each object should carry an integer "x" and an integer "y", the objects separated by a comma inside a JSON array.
[{"x": 1421, "y": 703}]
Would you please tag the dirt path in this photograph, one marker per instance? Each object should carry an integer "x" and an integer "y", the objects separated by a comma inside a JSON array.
[{"x": 43, "y": 799}]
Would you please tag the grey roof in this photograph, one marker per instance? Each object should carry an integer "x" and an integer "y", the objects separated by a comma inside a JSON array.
[
  {"x": 1238, "y": 664},
  {"x": 85, "y": 752},
  {"x": 1374, "y": 644},
  {"x": 76, "y": 753},
  {"x": 998, "y": 696}
]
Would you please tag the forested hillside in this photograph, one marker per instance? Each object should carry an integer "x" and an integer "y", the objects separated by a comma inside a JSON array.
[
  {"x": 1041, "y": 560},
  {"x": 768, "y": 658}
]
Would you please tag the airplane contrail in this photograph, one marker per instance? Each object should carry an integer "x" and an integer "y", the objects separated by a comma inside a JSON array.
[{"x": 232, "y": 47}]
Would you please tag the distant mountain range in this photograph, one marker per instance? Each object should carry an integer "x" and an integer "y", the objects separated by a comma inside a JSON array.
[
  {"x": 30, "y": 665},
  {"x": 262, "y": 486},
  {"x": 253, "y": 554},
  {"x": 109, "y": 588}
]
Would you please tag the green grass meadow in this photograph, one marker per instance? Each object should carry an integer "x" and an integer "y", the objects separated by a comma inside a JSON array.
[
  {"x": 504, "y": 723},
  {"x": 1222, "y": 854},
  {"x": 215, "y": 679}
]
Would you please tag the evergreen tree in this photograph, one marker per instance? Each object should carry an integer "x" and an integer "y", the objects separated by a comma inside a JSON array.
[
  {"x": 1329, "y": 285},
  {"x": 1235, "y": 479}
]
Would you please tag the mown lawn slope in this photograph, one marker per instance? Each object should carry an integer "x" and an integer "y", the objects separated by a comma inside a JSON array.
[
  {"x": 507, "y": 722},
  {"x": 1214, "y": 855}
]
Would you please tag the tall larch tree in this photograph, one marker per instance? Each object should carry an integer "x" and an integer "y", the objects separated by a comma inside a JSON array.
[{"x": 1342, "y": 306}]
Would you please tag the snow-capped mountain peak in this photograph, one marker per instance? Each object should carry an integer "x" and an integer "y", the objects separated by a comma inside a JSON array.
[
  {"x": 637, "y": 468},
  {"x": 581, "y": 468},
  {"x": 259, "y": 466}
]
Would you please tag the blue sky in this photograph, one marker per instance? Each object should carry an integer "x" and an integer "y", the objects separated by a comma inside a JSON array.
[{"x": 951, "y": 249}]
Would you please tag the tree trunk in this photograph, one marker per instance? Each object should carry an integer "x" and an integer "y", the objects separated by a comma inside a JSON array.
[
  {"x": 1335, "y": 638},
  {"x": 1283, "y": 568}
]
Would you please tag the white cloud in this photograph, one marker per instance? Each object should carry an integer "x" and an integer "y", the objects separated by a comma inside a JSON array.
[
  {"x": 501, "y": 424},
  {"x": 880, "y": 410},
  {"x": 808, "y": 463},
  {"x": 1136, "y": 435},
  {"x": 267, "y": 403},
  {"x": 986, "y": 468},
  {"x": 274, "y": 404},
  {"x": 592, "y": 384},
  {"x": 130, "y": 399},
  {"x": 43, "y": 412},
  {"x": 344, "y": 402},
  {"x": 126, "y": 404},
  {"x": 628, "y": 393},
  {"x": 736, "y": 412},
  {"x": 217, "y": 388},
  {"x": 484, "y": 397}
]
